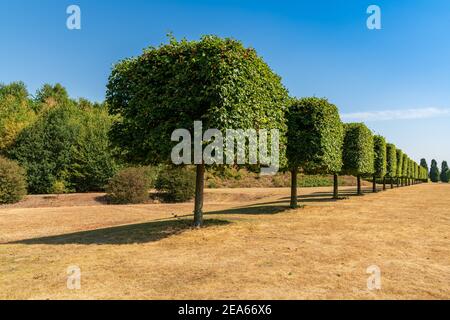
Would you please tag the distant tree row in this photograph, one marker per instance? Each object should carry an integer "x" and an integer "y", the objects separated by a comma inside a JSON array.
[{"x": 437, "y": 175}]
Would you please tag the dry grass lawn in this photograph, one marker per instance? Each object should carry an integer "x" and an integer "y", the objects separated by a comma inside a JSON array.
[{"x": 252, "y": 248}]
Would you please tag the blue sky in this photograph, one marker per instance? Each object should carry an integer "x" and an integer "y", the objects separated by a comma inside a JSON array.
[{"x": 396, "y": 79}]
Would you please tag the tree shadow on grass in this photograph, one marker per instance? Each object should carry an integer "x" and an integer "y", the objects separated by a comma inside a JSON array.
[
  {"x": 128, "y": 234},
  {"x": 257, "y": 209}
]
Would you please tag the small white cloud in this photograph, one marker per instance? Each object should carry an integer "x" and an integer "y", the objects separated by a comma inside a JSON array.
[{"x": 400, "y": 114}]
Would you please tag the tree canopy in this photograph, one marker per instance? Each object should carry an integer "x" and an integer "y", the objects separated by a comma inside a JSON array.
[{"x": 358, "y": 154}]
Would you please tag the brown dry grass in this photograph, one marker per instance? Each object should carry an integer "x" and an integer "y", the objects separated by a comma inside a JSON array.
[{"x": 252, "y": 248}]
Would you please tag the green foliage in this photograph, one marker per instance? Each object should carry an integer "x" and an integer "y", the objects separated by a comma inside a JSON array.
[
  {"x": 380, "y": 157},
  {"x": 176, "y": 184},
  {"x": 69, "y": 145},
  {"x": 15, "y": 113},
  {"x": 400, "y": 155},
  {"x": 358, "y": 155},
  {"x": 405, "y": 166},
  {"x": 217, "y": 81},
  {"x": 13, "y": 186},
  {"x": 315, "y": 136},
  {"x": 444, "y": 172},
  {"x": 391, "y": 160},
  {"x": 51, "y": 96},
  {"x": 130, "y": 185},
  {"x": 423, "y": 163},
  {"x": 434, "y": 171}
]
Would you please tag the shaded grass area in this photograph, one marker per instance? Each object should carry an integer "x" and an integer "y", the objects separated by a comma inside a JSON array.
[{"x": 128, "y": 234}]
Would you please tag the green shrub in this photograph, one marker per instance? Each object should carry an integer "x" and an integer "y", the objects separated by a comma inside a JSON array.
[
  {"x": 16, "y": 113},
  {"x": 130, "y": 185},
  {"x": 399, "y": 171},
  {"x": 13, "y": 185},
  {"x": 176, "y": 184},
  {"x": 444, "y": 172}
]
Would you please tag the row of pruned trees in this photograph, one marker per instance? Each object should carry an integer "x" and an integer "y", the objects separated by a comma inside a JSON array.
[
  {"x": 227, "y": 86},
  {"x": 319, "y": 143}
]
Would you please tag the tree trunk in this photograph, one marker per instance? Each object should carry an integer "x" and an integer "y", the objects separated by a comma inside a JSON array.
[
  {"x": 294, "y": 173},
  {"x": 359, "y": 192},
  {"x": 336, "y": 187},
  {"x": 392, "y": 183},
  {"x": 398, "y": 182},
  {"x": 374, "y": 184},
  {"x": 384, "y": 183},
  {"x": 199, "y": 187}
]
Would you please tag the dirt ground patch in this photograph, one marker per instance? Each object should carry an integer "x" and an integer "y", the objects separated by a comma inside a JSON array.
[{"x": 253, "y": 247}]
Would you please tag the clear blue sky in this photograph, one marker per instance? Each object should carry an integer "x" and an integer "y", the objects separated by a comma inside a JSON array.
[{"x": 320, "y": 48}]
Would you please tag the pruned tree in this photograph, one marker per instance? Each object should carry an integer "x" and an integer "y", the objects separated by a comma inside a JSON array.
[
  {"x": 391, "y": 163},
  {"x": 399, "y": 173},
  {"x": 405, "y": 170},
  {"x": 214, "y": 80},
  {"x": 358, "y": 155},
  {"x": 315, "y": 137},
  {"x": 434, "y": 171},
  {"x": 424, "y": 164},
  {"x": 380, "y": 163},
  {"x": 444, "y": 172}
]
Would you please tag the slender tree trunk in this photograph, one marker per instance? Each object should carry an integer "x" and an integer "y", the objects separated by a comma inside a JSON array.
[
  {"x": 398, "y": 182},
  {"x": 384, "y": 183},
  {"x": 199, "y": 187},
  {"x": 294, "y": 173},
  {"x": 392, "y": 183},
  {"x": 358, "y": 189},
  {"x": 336, "y": 187},
  {"x": 374, "y": 184}
]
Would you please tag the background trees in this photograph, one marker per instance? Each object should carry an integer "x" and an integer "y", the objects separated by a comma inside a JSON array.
[
  {"x": 216, "y": 81},
  {"x": 444, "y": 172},
  {"x": 379, "y": 144},
  {"x": 434, "y": 171},
  {"x": 16, "y": 112},
  {"x": 66, "y": 149},
  {"x": 358, "y": 155},
  {"x": 315, "y": 137}
]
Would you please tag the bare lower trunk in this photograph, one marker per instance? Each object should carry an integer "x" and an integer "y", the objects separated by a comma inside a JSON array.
[
  {"x": 392, "y": 183},
  {"x": 199, "y": 187},
  {"x": 336, "y": 187},
  {"x": 294, "y": 173},
  {"x": 374, "y": 184},
  {"x": 384, "y": 183},
  {"x": 398, "y": 182},
  {"x": 358, "y": 180}
]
